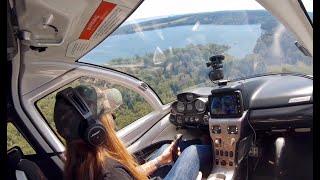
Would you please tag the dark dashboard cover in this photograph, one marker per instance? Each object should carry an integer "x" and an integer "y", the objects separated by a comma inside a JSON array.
[
  {"x": 278, "y": 91},
  {"x": 269, "y": 91},
  {"x": 276, "y": 101}
]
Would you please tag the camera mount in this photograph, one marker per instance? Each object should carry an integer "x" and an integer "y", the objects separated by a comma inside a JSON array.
[{"x": 216, "y": 64}]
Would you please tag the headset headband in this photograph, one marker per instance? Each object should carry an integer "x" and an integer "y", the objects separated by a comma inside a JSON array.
[{"x": 74, "y": 98}]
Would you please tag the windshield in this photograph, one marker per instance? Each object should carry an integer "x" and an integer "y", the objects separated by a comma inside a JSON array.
[
  {"x": 308, "y": 5},
  {"x": 166, "y": 43}
]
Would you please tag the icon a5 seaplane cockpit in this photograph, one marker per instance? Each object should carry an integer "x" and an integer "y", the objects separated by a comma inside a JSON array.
[{"x": 258, "y": 119}]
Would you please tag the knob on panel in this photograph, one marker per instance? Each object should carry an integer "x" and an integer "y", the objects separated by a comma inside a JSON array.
[
  {"x": 217, "y": 142},
  {"x": 232, "y": 141},
  {"x": 223, "y": 163}
]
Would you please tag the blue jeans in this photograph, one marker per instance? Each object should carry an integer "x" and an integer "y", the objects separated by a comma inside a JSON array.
[{"x": 192, "y": 159}]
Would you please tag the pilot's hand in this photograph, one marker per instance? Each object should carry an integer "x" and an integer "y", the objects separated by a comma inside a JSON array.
[{"x": 167, "y": 156}]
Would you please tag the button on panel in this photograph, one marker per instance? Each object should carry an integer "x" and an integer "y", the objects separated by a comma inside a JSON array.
[
  {"x": 221, "y": 153},
  {"x": 179, "y": 119},
  {"x": 196, "y": 119},
  {"x": 186, "y": 119},
  {"x": 223, "y": 163},
  {"x": 231, "y": 153},
  {"x": 230, "y": 163},
  {"x": 191, "y": 119},
  {"x": 206, "y": 118},
  {"x": 226, "y": 153}
]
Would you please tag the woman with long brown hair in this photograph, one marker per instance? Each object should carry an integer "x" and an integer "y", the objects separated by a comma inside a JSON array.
[{"x": 110, "y": 159}]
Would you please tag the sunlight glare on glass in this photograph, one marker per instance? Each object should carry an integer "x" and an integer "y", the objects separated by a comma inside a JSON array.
[{"x": 308, "y": 4}]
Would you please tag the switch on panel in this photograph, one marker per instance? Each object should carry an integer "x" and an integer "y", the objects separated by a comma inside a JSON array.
[
  {"x": 232, "y": 130},
  {"x": 216, "y": 129},
  {"x": 217, "y": 142},
  {"x": 231, "y": 153}
]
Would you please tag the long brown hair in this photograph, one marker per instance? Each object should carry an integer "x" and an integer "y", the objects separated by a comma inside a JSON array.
[{"x": 86, "y": 163}]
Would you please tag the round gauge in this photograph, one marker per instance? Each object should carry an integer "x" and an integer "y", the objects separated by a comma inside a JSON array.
[
  {"x": 189, "y": 107},
  {"x": 189, "y": 97},
  {"x": 180, "y": 107},
  {"x": 200, "y": 105}
]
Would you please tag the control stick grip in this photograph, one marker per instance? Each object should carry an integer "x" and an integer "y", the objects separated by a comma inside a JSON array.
[{"x": 176, "y": 142}]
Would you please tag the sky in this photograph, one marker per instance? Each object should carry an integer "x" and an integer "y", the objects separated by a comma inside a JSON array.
[{"x": 155, "y": 8}]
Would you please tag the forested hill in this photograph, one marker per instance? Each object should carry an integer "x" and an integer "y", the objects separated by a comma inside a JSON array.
[
  {"x": 277, "y": 45},
  {"x": 220, "y": 18},
  {"x": 235, "y": 17}
]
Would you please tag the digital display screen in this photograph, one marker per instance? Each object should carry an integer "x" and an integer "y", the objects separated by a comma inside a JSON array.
[{"x": 224, "y": 105}]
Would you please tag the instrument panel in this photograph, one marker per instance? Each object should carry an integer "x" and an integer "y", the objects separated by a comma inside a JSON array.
[
  {"x": 190, "y": 109},
  {"x": 196, "y": 106},
  {"x": 231, "y": 111},
  {"x": 289, "y": 103}
]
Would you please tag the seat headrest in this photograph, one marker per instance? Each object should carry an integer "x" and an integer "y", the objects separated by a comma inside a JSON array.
[
  {"x": 31, "y": 169},
  {"x": 15, "y": 154}
]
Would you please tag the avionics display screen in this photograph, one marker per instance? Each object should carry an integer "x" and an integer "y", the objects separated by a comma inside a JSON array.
[{"x": 224, "y": 105}]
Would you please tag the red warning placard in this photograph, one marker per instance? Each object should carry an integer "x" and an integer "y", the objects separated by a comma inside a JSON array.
[{"x": 96, "y": 19}]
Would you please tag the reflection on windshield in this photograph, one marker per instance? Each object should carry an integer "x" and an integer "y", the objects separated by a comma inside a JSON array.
[{"x": 170, "y": 53}]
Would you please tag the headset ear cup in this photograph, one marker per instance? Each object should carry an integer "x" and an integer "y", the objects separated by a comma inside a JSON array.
[{"x": 95, "y": 134}]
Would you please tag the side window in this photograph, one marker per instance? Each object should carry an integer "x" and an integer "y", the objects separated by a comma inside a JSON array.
[
  {"x": 15, "y": 138},
  {"x": 133, "y": 107}
]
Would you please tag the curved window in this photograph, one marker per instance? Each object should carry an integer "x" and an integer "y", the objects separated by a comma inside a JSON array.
[
  {"x": 132, "y": 108},
  {"x": 15, "y": 138}
]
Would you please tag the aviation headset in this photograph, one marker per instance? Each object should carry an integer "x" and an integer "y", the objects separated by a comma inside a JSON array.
[{"x": 91, "y": 130}]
